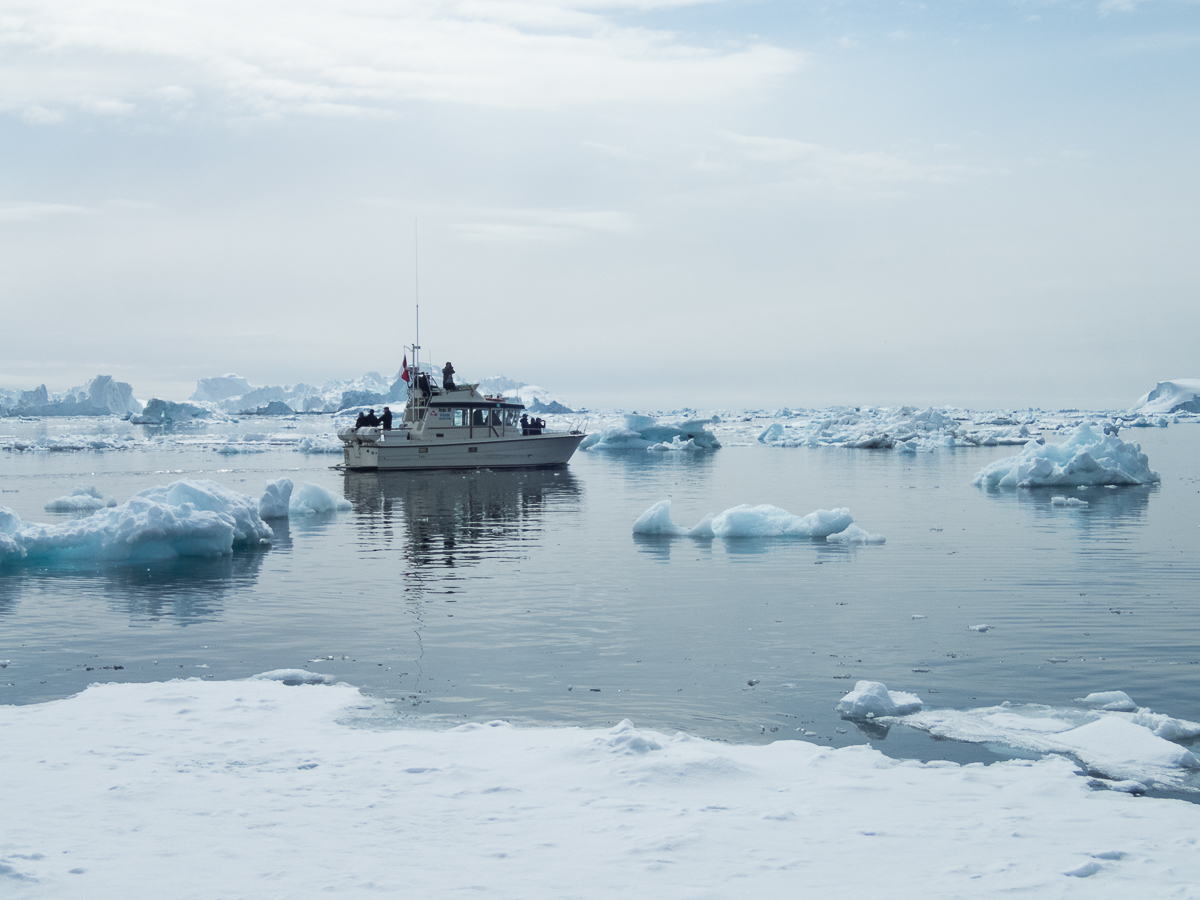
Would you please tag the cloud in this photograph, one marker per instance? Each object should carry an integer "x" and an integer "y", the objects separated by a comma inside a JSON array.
[
  {"x": 540, "y": 225},
  {"x": 34, "y": 212},
  {"x": 39, "y": 115},
  {"x": 811, "y": 167},
  {"x": 276, "y": 57}
]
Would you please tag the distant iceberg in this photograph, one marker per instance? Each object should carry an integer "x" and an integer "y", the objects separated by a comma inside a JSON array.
[
  {"x": 1181, "y": 395},
  {"x": 637, "y": 432},
  {"x": 99, "y": 397},
  {"x": 184, "y": 518},
  {"x": 1087, "y": 457},
  {"x": 168, "y": 412}
]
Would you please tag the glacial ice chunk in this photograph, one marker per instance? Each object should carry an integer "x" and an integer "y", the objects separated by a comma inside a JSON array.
[
  {"x": 754, "y": 521},
  {"x": 276, "y": 499},
  {"x": 312, "y": 499},
  {"x": 637, "y": 432},
  {"x": 185, "y": 518},
  {"x": 872, "y": 699},
  {"x": 85, "y": 498}
]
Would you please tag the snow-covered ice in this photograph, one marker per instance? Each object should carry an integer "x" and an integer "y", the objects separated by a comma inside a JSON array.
[
  {"x": 259, "y": 789},
  {"x": 184, "y": 518},
  {"x": 756, "y": 522},
  {"x": 1116, "y": 743},
  {"x": 1087, "y": 457}
]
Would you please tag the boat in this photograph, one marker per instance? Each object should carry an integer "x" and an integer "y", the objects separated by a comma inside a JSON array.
[{"x": 456, "y": 427}]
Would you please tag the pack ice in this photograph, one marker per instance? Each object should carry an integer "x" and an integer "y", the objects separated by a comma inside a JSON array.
[
  {"x": 1087, "y": 457},
  {"x": 184, "y": 518}
]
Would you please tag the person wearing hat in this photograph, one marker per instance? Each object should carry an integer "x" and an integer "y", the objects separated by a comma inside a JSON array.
[{"x": 448, "y": 377}]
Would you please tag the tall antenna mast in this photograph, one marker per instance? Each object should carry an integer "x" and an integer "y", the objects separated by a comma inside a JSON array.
[{"x": 416, "y": 296}]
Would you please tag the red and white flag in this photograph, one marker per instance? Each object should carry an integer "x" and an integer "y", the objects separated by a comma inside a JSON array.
[{"x": 404, "y": 368}]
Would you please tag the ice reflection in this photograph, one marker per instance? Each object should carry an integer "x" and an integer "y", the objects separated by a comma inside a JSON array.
[
  {"x": 457, "y": 518},
  {"x": 184, "y": 591}
]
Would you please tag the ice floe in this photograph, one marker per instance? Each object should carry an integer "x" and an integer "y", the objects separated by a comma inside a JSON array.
[
  {"x": 184, "y": 518},
  {"x": 756, "y": 522},
  {"x": 1110, "y": 740},
  {"x": 1087, "y": 457},
  {"x": 258, "y": 789}
]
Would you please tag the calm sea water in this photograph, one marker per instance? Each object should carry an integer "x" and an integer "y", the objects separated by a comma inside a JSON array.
[{"x": 524, "y": 595}]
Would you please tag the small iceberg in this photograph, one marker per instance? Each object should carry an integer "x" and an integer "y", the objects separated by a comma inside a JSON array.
[
  {"x": 1087, "y": 457},
  {"x": 184, "y": 518},
  {"x": 757, "y": 522},
  {"x": 872, "y": 700},
  {"x": 637, "y": 432}
]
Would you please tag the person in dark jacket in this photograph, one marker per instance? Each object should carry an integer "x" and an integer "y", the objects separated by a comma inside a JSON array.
[
  {"x": 361, "y": 420},
  {"x": 372, "y": 420},
  {"x": 448, "y": 377},
  {"x": 386, "y": 419}
]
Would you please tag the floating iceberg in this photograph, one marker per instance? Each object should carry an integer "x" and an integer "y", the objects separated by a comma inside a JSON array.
[
  {"x": 185, "y": 518},
  {"x": 638, "y": 432},
  {"x": 872, "y": 699},
  {"x": 755, "y": 521},
  {"x": 274, "y": 502},
  {"x": 1181, "y": 395},
  {"x": 279, "y": 500},
  {"x": 99, "y": 397},
  {"x": 1087, "y": 457},
  {"x": 312, "y": 499},
  {"x": 168, "y": 412}
]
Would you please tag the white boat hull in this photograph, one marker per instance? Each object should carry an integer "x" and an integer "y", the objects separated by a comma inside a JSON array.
[{"x": 512, "y": 452}]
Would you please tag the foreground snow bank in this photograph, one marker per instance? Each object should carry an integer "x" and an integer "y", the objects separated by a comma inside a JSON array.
[
  {"x": 1087, "y": 457},
  {"x": 184, "y": 518},
  {"x": 153, "y": 784},
  {"x": 648, "y": 433},
  {"x": 758, "y": 521}
]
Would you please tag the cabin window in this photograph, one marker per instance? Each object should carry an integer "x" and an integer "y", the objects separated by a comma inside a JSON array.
[
  {"x": 458, "y": 417},
  {"x": 496, "y": 418},
  {"x": 478, "y": 417},
  {"x": 510, "y": 417}
]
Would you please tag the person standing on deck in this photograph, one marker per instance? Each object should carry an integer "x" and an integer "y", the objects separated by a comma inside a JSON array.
[
  {"x": 386, "y": 419},
  {"x": 448, "y": 377}
]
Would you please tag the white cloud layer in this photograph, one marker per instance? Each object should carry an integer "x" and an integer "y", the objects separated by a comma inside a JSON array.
[{"x": 320, "y": 56}]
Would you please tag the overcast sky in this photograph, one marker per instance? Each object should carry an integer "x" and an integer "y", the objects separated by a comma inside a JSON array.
[{"x": 633, "y": 203}]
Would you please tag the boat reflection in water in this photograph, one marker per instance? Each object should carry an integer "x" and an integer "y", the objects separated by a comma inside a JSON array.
[{"x": 455, "y": 518}]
